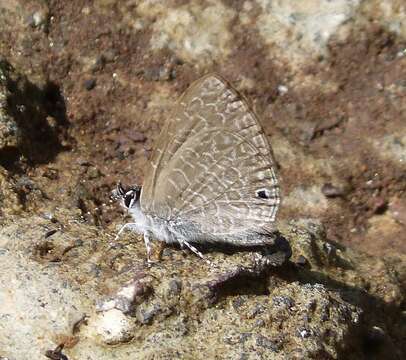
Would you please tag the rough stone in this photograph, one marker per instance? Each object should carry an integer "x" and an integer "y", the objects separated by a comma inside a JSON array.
[
  {"x": 327, "y": 82},
  {"x": 306, "y": 27},
  {"x": 192, "y": 31},
  {"x": 286, "y": 308},
  {"x": 10, "y": 132}
]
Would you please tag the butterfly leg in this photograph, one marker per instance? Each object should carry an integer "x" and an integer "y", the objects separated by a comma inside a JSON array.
[
  {"x": 124, "y": 227},
  {"x": 194, "y": 250},
  {"x": 147, "y": 241}
]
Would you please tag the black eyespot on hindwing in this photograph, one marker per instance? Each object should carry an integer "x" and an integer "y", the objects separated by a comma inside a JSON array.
[{"x": 264, "y": 194}]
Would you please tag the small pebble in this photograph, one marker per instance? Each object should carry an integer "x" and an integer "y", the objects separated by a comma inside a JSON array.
[
  {"x": 98, "y": 63},
  {"x": 282, "y": 89},
  {"x": 175, "y": 287},
  {"x": 112, "y": 327},
  {"x": 284, "y": 301},
  {"x": 302, "y": 261},
  {"x": 146, "y": 315},
  {"x": 50, "y": 233},
  {"x": 55, "y": 354},
  {"x": 256, "y": 310},
  {"x": 159, "y": 73},
  {"x": 137, "y": 136},
  {"x": 374, "y": 339},
  {"x": 304, "y": 333},
  {"x": 90, "y": 84},
  {"x": 397, "y": 208},
  {"x": 51, "y": 174},
  {"x": 238, "y": 302},
  {"x": 330, "y": 249},
  {"x": 266, "y": 343},
  {"x": 331, "y": 191},
  {"x": 380, "y": 205},
  {"x": 259, "y": 323},
  {"x": 37, "y": 19}
]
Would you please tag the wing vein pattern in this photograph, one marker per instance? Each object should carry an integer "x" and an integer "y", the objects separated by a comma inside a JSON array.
[{"x": 211, "y": 160}]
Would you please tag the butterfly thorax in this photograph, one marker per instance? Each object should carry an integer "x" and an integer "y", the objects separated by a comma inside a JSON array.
[{"x": 160, "y": 229}]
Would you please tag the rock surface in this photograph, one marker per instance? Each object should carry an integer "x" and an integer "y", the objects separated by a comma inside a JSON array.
[
  {"x": 73, "y": 288},
  {"x": 85, "y": 88}
]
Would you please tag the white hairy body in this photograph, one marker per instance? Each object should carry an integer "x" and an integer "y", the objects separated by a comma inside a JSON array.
[
  {"x": 185, "y": 232},
  {"x": 167, "y": 231}
]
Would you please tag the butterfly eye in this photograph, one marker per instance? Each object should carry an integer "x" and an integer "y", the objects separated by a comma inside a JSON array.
[{"x": 128, "y": 198}]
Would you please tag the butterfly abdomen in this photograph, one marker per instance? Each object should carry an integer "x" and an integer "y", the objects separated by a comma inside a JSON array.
[{"x": 176, "y": 231}]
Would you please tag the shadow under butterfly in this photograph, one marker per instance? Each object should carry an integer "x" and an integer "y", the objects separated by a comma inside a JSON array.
[{"x": 211, "y": 179}]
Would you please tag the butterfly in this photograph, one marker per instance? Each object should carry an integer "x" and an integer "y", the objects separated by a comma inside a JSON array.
[{"x": 211, "y": 177}]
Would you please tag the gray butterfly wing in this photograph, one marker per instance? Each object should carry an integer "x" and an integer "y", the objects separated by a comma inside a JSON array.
[{"x": 213, "y": 164}]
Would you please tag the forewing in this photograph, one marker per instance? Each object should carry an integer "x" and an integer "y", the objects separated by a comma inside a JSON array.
[{"x": 212, "y": 163}]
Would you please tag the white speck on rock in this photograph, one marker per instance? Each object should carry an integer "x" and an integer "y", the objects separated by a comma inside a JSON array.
[
  {"x": 106, "y": 305},
  {"x": 282, "y": 89},
  {"x": 39, "y": 18},
  {"x": 112, "y": 327},
  {"x": 124, "y": 299},
  {"x": 128, "y": 291}
]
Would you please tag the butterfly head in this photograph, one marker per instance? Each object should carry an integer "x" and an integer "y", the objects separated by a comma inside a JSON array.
[{"x": 129, "y": 196}]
